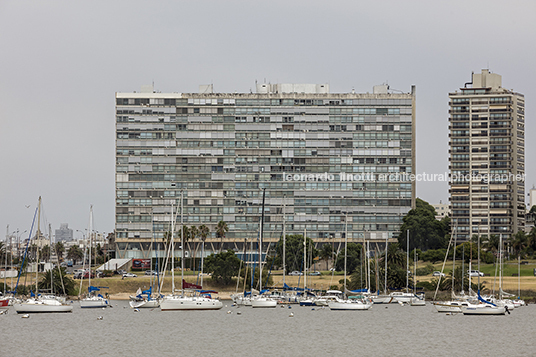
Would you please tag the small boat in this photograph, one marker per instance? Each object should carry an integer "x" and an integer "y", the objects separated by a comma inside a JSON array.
[
  {"x": 177, "y": 302},
  {"x": 42, "y": 304},
  {"x": 449, "y": 306},
  {"x": 144, "y": 299},
  {"x": 350, "y": 304},
  {"x": 92, "y": 300},
  {"x": 483, "y": 309},
  {"x": 262, "y": 302}
]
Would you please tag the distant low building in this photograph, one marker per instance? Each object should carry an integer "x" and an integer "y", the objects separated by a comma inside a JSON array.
[{"x": 442, "y": 210}]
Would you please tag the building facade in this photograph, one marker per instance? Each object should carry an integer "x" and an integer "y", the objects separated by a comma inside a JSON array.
[
  {"x": 64, "y": 233},
  {"x": 442, "y": 210},
  {"x": 327, "y": 162},
  {"x": 487, "y": 158}
]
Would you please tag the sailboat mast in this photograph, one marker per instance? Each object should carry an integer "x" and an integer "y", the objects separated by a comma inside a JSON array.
[
  {"x": 260, "y": 239},
  {"x": 478, "y": 284},
  {"x": 345, "y": 249},
  {"x": 414, "y": 269},
  {"x": 5, "y": 262},
  {"x": 284, "y": 240},
  {"x": 37, "y": 247},
  {"x": 407, "y": 260},
  {"x": 173, "y": 250},
  {"x": 385, "y": 286},
  {"x": 182, "y": 243},
  {"x": 49, "y": 258},
  {"x": 304, "y": 259},
  {"x": 368, "y": 266},
  {"x": 89, "y": 233},
  {"x": 500, "y": 265}
]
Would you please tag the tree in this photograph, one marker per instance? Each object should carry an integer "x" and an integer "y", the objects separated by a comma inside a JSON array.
[
  {"x": 68, "y": 283},
  {"x": 75, "y": 254},
  {"x": 204, "y": 231},
  {"x": 194, "y": 233},
  {"x": 520, "y": 242},
  {"x": 353, "y": 258},
  {"x": 293, "y": 252},
  {"x": 425, "y": 231},
  {"x": 223, "y": 266},
  {"x": 221, "y": 230},
  {"x": 45, "y": 253},
  {"x": 326, "y": 253},
  {"x": 60, "y": 249}
]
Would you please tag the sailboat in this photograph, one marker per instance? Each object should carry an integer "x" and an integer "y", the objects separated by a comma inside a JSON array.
[
  {"x": 484, "y": 307},
  {"x": 92, "y": 299},
  {"x": 404, "y": 297},
  {"x": 518, "y": 302},
  {"x": 501, "y": 301},
  {"x": 41, "y": 303},
  {"x": 416, "y": 300},
  {"x": 348, "y": 304},
  {"x": 145, "y": 299},
  {"x": 261, "y": 301},
  {"x": 174, "y": 302},
  {"x": 385, "y": 298}
]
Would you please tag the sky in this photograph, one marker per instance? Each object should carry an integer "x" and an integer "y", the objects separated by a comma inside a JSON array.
[{"x": 61, "y": 63}]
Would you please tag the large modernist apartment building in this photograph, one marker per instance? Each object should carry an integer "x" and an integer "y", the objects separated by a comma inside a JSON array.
[
  {"x": 487, "y": 158},
  {"x": 327, "y": 162}
]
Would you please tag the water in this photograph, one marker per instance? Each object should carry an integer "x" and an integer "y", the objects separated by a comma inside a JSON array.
[{"x": 380, "y": 331}]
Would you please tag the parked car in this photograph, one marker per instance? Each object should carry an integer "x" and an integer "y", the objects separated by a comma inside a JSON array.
[
  {"x": 129, "y": 275},
  {"x": 315, "y": 273},
  {"x": 86, "y": 274},
  {"x": 473, "y": 273},
  {"x": 120, "y": 272},
  {"x": 438, "y": 273},
  {"x": 295, "y": 272},
  {"x": 151, "y": 272}
]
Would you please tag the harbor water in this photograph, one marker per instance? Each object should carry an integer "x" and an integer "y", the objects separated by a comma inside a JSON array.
[{"x": 384, "y": 330}]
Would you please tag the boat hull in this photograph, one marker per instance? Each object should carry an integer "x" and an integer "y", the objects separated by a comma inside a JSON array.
[
  {"x": 483, "y": 310},
  {"x": 341, "y": 305},
  {"x": 23, "y": 308},
  {"x": 147, "y": 304},
  {"x": 417, "y": 302},
  {"x": 93, "y": 303},
  {"x": 448, "y": 307},
  {"x": 177, "y": 303},
  {"x": 382, "y": 299},
  {"x": 263, "y": 303}
]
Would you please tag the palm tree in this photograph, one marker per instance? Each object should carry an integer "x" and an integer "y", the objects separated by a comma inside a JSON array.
[
  {"x": 519, "y": 242},
  {"x": 221, "y": 229},
  {"x": 75, "y": 254},
  {"x": 60, "y": 249},
  {"x": 45, "y": 253},
  {"x": 194, "y": 233}
]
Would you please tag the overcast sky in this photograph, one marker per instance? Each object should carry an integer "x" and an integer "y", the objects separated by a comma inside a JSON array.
[{"x": 62, "y": 61}]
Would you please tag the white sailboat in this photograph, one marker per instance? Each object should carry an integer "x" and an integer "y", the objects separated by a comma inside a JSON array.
[
  {"x": 174, "y": 302},
  {"x": 92, "y": 299},
  {"x": 262, "y": 301},
  {"x": 399, "y": 296},
  {"x": 518, "y": 301},
  {"x": 41, "y": 303},
  {"x": 348, "y": 304},
  {"x": 416, "y": 300},
  {"x": 145, "y": 299},
  {"x": 385, "y": 298}
]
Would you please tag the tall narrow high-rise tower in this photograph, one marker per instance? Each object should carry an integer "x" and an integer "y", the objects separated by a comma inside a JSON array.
[{"x": 487, "y": 158}]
